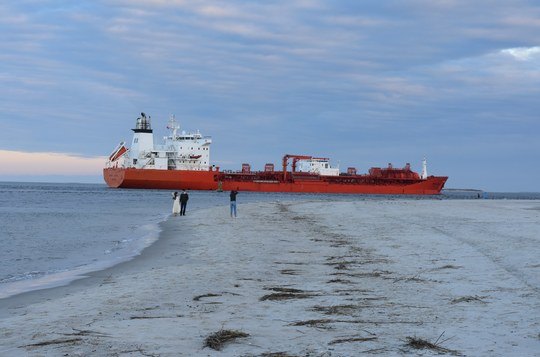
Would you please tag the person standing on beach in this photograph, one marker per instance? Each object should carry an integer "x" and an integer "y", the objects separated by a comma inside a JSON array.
[
  {"x": 176, "y": 204},
  {"x": 184, "y": 197},
  {"x": 233, "y": 203}
]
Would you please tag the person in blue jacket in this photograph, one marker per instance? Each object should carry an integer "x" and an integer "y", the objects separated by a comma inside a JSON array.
[{"x": 233, "y": 203}]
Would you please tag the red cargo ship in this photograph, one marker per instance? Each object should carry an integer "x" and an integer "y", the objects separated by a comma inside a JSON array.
[{"x": 183, "y": 162}]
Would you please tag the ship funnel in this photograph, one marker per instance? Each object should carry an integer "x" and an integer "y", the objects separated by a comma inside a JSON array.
[
  {"x": 424, "y": 169},
  {"x": 143, "y": 124}
]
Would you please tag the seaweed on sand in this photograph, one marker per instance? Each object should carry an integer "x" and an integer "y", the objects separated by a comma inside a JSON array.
[
  {"x": 418, "y": 343},
  {"x": 321, "y": 323},
  {"x": 284, "y": 296},
  {"x": 353, "y": 339},
  {"x": 341, "y": 281},
  {"x": 337, "y": 309},
  {"x": 282, "y": 293},
  {"x": 284, "y": 290},
  {"x": 217, "y": 340},
  {"x": 199, "y": 297},
  {"x": 59, "y": 341},
  {"x": 469, "y": 299},
  {"x": 289, "y": 272}
]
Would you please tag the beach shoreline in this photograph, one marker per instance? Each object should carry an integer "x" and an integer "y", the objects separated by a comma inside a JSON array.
[
  {"x": 91, "y": 278},
  {"x": 305, "y": 277}
]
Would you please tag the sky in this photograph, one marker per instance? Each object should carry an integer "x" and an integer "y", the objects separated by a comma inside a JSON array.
[{"x": 365, "y": 83}]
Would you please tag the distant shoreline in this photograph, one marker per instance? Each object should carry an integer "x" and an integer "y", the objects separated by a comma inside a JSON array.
[{"x": 461, "y": 189}]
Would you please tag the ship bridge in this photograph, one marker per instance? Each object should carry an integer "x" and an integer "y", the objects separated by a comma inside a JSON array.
[{"x": 317, "y": 165}]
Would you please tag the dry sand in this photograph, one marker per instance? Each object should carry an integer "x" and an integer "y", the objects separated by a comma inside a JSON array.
[{"x": 306, "y": 279}]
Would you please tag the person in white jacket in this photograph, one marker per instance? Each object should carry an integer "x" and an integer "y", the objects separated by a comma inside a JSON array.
[{"x": 176, "y": 204}]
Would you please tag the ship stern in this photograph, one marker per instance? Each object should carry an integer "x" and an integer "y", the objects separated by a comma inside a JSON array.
[{"x": 114, "y": 177}]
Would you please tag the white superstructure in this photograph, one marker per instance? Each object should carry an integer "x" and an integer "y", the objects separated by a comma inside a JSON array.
[
  {"x": 179, "y": 151},
  {"x": 319, "y": 166}
]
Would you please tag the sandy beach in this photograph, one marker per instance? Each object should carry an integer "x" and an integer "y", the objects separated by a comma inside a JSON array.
[{"x": 306, "y": 279}]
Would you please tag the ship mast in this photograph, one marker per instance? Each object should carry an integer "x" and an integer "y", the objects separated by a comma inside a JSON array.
[
  {"x": 173, "y": 125},
  {"x": 424, "y": 169}
]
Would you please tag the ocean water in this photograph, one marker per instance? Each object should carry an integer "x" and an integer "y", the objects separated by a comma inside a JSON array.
[{"x": 52, "y": 233}]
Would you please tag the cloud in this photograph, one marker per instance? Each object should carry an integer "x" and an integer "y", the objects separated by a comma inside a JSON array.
[
  {"x": 48, "y": 163},
  {"x": 515, "y": 68},
  {"x": 523, "y": 53},
  {"x": 217, "y": 11}
]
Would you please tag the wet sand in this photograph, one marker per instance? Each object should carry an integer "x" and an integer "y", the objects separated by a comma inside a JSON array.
[{"x": 306, "y": 278}]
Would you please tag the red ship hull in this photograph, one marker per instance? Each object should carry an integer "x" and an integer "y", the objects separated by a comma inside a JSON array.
[
  {"x": 160, "y": 179},
  {"x": 430, "y": 186},
  {"x": 213, "y": 180}
]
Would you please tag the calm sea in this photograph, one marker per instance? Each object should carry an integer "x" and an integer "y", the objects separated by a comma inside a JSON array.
[{"x": 52, "y": 233}]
